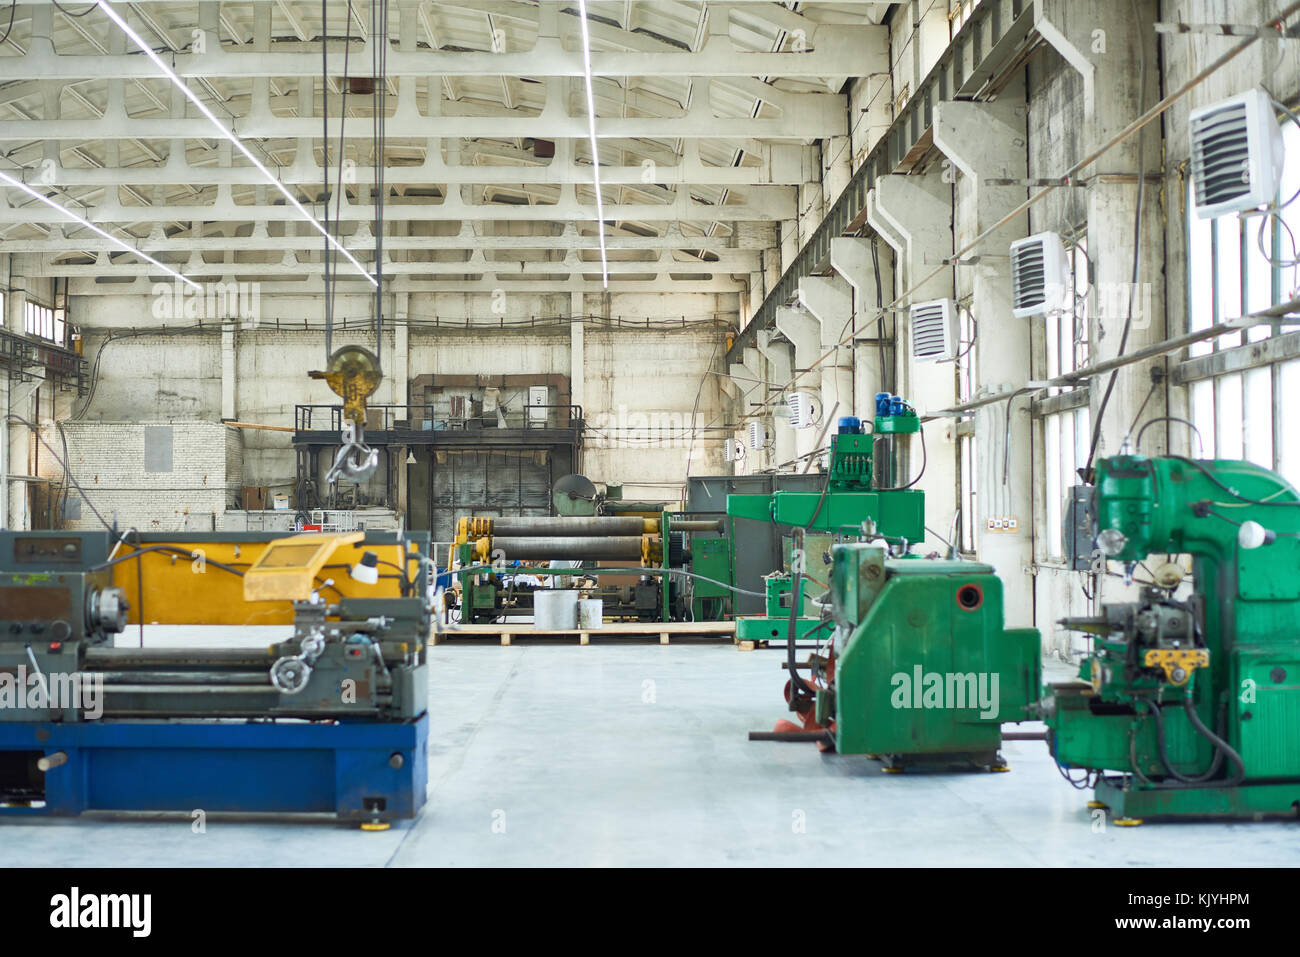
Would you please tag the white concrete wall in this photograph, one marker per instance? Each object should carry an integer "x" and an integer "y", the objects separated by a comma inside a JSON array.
[{"x": 635, "y": 377}]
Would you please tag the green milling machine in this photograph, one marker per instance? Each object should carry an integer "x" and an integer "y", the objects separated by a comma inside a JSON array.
[
  {"x": 1188, "y": 704},
  {"x": 858, "y": 499},
  {"x": 916, "y": 667}
]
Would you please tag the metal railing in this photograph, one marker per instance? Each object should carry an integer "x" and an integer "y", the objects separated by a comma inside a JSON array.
[{"x": 430, "y": 418}]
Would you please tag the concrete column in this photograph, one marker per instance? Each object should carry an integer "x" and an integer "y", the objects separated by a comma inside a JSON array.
[
  {"x": 747, "y": 382},
  {"x": 14, "y": 435},
  {"x": 780, "y": 370},
  {"x": 15, "y": 318},
  {"x": 830, "y": 300},
  {"x": 577, "y": 345},
  {"x": 914, "y": 214},
  {"x": 837, "y": 156},
  {"x": 755, "y": 360},
  {"x": 851, "y": 257},
  {"x": 1104, "y": 44},
  {"x": 804, "y": 333},
  {"x": 987, "y": 141},
  {"x": 18, "y": 439},
  {"x": 229, "y": 366}
]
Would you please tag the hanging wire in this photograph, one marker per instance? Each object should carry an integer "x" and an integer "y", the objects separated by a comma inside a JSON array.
[
  {"x": 1273, "y": 212},
  {"x": 326, "y": 260},
  {"x": 332, "y": 283},
  {"x": 379, "y": 64}
]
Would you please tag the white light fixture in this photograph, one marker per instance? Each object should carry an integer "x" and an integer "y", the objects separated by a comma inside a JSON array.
[
  {"x": 1254, "y": 535},
  {"x": 410, "y": 457},
  {"x": 235, "y": 141},
  {"x": 366, "y": 571},
  {"x": 595, "y": 152},
  {"x": 34, "y": 194}
]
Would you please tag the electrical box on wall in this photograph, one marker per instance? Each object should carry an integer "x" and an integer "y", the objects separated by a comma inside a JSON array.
[
  {"x": 537, "y": 406},
  {"x": 1077, "y": 535}
]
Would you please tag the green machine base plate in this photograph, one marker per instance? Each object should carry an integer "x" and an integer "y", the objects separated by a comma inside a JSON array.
[
  {"x": 1243, "y": 801},
  {"x": 775, "y": 629},
  {"x": 945, "y": 761}
]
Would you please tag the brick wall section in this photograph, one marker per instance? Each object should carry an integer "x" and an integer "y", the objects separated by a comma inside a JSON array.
[
  {"x": 234, "y": 461},
  {"x": 108, "y": 459}
]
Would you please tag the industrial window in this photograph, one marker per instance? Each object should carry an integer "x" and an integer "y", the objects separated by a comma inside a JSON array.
[
  {"x": 1241, "y": 405},
  {"x": 959, "y": 12},
  {"x": 44, "y": 322},
  {"x": 1067, "y": 432}
]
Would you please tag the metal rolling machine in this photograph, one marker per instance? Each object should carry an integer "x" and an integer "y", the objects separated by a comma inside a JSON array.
[
  {"x": 331, "y": 719},
  {"x": 589, "y": 547}
]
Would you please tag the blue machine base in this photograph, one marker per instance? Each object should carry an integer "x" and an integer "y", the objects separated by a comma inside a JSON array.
[{"x": 269, "y": 767}]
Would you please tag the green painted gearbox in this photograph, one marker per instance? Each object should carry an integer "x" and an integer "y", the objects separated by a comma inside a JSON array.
[{"x": 928, "y": 672}]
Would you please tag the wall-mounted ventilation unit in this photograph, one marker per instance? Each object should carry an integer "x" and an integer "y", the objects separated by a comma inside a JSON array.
[
  {"x": 1237, "y": 154},
  {"x": 1040, "y": 275},
  {"x": 733, "y": 451},
  {"x": 803, "y": 410},
  {"x": 934, "y": 330},
  {"x": 757, "y": 435}
]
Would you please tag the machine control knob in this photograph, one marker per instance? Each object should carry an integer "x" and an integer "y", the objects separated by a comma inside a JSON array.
[
  {"x": 36, "y": 627},
  {"x": 15, "y": 627}
]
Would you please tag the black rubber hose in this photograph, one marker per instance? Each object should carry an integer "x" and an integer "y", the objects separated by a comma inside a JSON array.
[
  {"x": 1162, "y": 744},
  {"x": 1218, "y": 742}
]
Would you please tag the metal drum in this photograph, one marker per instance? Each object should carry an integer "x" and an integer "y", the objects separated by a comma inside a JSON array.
[
  {"x": 591, "y": 613},
  {"x": 555, "y": 609}
]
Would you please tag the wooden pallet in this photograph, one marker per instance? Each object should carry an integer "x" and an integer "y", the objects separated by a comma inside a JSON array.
[{"x": 665, "y": 631}]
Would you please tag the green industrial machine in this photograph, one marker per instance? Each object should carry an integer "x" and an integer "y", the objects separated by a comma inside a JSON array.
[
  {"x": 1188, "y": 705},
  {"x": 922, "y": 669},
  {"x": 859, "y": 498},
  {"x": 710, "y": 592}
]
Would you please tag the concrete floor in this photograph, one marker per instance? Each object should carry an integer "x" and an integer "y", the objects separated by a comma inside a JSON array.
[{"x": 630, "y": 754}]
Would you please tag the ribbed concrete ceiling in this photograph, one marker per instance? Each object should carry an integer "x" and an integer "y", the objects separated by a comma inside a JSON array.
[{"x": 703, "y": 110}]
